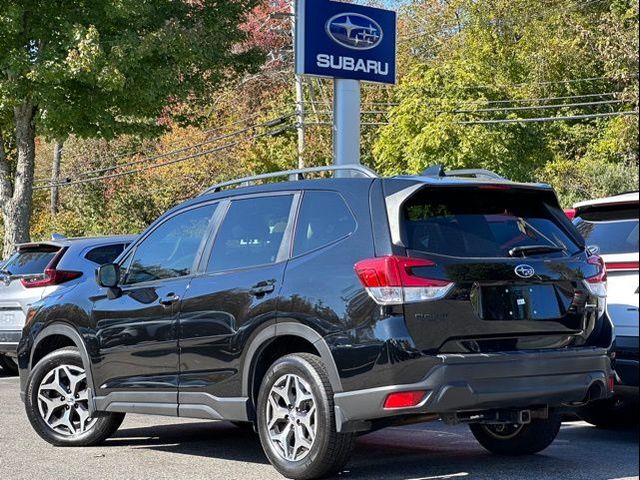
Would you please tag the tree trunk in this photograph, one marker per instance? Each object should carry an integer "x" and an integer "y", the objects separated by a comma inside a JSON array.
[
  {"x": 16, "y": 201},
  {"x": 55, "y": 178}
]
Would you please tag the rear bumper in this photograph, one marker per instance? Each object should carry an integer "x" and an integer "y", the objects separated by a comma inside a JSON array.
[
  {"x": 627, "y": 362},
  {"x": 488, "y": 381},
  {"x": 9, "y": 340}
]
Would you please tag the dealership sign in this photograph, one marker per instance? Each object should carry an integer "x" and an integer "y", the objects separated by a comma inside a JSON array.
[{"x": 347, "y": 41}]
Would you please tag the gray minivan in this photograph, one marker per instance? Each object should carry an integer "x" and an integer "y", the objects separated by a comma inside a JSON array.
[{"x": 37, "y": 270}]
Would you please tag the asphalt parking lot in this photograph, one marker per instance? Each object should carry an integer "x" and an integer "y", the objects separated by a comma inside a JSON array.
[{"x": 167, "y": 448}]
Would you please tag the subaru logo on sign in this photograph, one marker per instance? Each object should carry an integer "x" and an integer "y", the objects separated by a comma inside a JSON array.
[
  {"x": 355, "y": 31},
  {"x": 525, "y": 271}
]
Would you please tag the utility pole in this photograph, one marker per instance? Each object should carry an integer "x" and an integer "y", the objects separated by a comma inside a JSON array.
[
  {"x": 300, "y": 111},
  {"x": 55, "y": 178}
]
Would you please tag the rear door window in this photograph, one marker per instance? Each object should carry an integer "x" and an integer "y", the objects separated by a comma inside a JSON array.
[
  {"x": 252, "y": 233},
  {"x": 324, "y": 219},
  {"x": 30, "y": 261},
  {"x": 482, "y": 223},
  {"x": 105, "y": 254}
]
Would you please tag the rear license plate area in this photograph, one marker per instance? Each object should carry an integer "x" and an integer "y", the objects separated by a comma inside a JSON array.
[
  {"x": 521, "y": 302},
  {"x": 11, "y": 319}
]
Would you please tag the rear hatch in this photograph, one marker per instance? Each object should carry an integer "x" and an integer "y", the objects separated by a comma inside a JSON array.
[
  {"x": 512, "y": 265},
  {"x": 612, "y": 232},
  {"x": 28, "y": 263}
]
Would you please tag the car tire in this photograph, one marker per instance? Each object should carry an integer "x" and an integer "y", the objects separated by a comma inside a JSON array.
[
  {"x": 9, "y": 365},
  {"x": 57, "y": 403},
  {"x": 609, "y": 414},
  {"x": 513, "y": 440},
  {"x": 305, "y": 418}
]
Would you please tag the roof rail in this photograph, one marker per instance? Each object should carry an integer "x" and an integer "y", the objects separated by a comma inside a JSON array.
[
  {"x": 440, "y": 172},
  {"x": 294, "y": 175}
]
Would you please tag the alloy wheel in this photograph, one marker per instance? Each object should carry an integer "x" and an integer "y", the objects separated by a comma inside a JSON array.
[
  {"x": 63, "y": 401},
  {"x": 292, "y": 418}
]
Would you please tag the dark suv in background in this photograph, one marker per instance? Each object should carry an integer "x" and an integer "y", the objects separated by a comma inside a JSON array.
[{"x": 319, "y": 309}]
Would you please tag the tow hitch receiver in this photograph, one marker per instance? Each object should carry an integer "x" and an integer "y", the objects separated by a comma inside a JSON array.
[{"x": 511, "y": 417}]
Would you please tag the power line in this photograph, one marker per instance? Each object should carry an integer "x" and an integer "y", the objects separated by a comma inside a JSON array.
[
  {"x": 482, "y": 102},
  {"x": 501, "y": 109},
  {"x": 160, "y": 165},
  {"x": 541, "y": 107},
  {"x": 512, "y": 120},
  {"x": 269, "y": 123},
  {"x": 550, "y": 119},
  {"x": 145, "y": 151}
]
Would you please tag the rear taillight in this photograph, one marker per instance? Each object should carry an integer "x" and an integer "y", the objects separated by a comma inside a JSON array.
[
  {"x": 52, "y": 276},
  {"x": 597, "y": 284},
  {"x": 570, "y": 213},
  {"x": 391, "y": 280}
]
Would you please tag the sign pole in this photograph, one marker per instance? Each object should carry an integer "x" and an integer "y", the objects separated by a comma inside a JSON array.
[{"x": 346, "y": 121}]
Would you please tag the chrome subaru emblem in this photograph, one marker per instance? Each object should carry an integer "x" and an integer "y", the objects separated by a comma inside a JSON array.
[
  {"x": 525, "y": 271},
  {"x": 354, "y": 31}
]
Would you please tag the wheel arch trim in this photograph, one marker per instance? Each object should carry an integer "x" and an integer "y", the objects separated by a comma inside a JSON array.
[
  {"x": 65, "y": 330},
  {"x": 277, "y": 330}
]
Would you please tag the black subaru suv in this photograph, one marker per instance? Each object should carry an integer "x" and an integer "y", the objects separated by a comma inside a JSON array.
[{"x": 318, "y": 309}]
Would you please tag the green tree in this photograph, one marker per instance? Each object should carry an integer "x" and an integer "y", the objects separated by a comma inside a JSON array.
[
  {"x": 464, "y": 58},
  {"x": 102, "y": 68}
]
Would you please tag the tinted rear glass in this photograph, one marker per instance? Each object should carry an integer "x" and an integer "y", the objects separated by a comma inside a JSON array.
[
  {"x": 30, "y": 262},
  {"x": 324, "y": 218},
  {"x": 610, "y": 238},
  {"x": 483, "y": 223},
  {"x": 105, "y": 254}
]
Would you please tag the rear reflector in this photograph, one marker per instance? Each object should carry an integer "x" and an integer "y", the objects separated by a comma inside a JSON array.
[
  {"x": 612, "y": 383},
  {"x": 52, "y": 276},
  {"x": 391, "y": 280},
  {"x": 404, "y": 400}
]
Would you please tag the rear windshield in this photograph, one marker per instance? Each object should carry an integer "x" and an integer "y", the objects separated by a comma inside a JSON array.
[
  {"x": 483, "y": 223},
  {"x": 30, "y": 262},
  {"x": 610, "y": 238}
]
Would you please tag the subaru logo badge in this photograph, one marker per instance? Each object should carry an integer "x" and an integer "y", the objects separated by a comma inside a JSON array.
[
  {"x": 355, "y": 31},
  {"x": 525, "y": 271}
]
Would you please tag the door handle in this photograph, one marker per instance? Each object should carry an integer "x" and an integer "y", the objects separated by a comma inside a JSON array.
[
  {"x": 170, "y": 300},
  {"x": 263, "y": 288}
]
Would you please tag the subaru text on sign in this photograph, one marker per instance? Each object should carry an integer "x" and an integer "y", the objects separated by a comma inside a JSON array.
[{"x": 344, "y": 40}]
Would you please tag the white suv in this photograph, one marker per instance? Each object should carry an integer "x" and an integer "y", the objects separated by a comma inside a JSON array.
[{"x": 610, "y": 227}]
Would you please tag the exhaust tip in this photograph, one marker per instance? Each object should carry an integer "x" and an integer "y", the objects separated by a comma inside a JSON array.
[{"x": 597, "y": 391}]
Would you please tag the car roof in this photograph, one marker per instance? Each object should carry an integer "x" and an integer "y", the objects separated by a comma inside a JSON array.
[
  {"x": 81, "y": 242},
  {"x": 344, "y": 185},
  {"x": 621, "y": 199},
  {"x": 339, "y": 183}
]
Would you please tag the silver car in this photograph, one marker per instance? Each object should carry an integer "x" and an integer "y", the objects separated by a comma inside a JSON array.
[{"x": 37, "y": 270}]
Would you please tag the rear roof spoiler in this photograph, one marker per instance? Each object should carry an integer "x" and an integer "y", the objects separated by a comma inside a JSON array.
[{"x": 438, "y": 171}]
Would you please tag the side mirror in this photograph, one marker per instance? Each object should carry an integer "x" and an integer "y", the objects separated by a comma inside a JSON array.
[{"x": 108, "y": 276}]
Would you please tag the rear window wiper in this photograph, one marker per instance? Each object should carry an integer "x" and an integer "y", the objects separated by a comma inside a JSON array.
[{"x": 534, "y": 250}]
